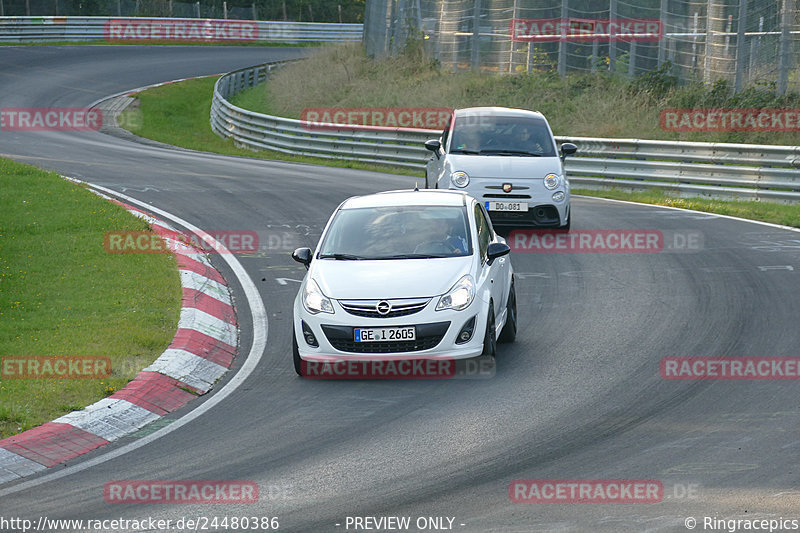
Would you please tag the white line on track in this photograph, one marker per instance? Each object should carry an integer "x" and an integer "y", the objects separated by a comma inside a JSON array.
[{"x": 260, "y": 330}]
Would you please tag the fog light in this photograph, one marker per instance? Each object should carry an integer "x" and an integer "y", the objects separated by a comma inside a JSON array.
[
  {"x": 311, "y": 340},
  {"x": 558, "y": 196},
  {"x": 466, "y": 332}
]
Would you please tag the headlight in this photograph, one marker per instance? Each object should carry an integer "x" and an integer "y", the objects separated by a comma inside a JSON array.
[
  {"x": 459, "y": 297},
  {"x": 551, "y": 181},
  {"x": 459, "y": 178},
  {"x": 313, "y": 299}
]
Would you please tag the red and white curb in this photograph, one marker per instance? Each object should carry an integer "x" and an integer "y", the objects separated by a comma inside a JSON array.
[{"x": 201, "y": 352}]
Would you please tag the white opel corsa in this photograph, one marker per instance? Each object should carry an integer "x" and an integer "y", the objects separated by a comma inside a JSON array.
[{"x": 405, "y": 275}]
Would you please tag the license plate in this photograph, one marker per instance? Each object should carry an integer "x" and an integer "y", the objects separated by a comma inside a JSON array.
[
  {"x": 519, "y": 207},
  {"x": 385, "y": 334}
]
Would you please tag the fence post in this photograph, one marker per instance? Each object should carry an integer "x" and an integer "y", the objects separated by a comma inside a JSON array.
[
  {"x": 511, "y": 39},
  {"x": 612, "y": 43},
  {"x": 632, "y": 60},
  {"x": 562, "y": 44},
  {"x": 741, "y": 57},
  {"x": 595, "y": 54},
  {"x": 755, "y": 45},
  {"x": 119, "y": 8},
  {"x": 225, "y": 10},
  {"x": 136, "y": 9},
  {"x": 170, "y": 8},
  {"x": 28, "y": 7},
  {"x": 196, "y": 7},
  {"x": 662, "y": 43},
  {"x": 255, "y": 13},
  {"x": 476, "y": 51},
  {"x": 530, "y": 57},
  {"x": 786, "y": 41}
]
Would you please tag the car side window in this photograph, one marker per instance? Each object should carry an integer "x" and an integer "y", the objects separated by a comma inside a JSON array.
[
  {"x": 484, "y": 231},
  {"x": 445, "y": 134}
]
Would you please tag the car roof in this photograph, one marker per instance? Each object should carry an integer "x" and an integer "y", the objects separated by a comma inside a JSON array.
[
  {"x": 407, "y": 197},
  {"x": 498, "y": 111}
]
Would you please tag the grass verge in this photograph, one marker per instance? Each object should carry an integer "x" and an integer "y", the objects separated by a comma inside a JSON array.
[{"x": 62, "y": 294}]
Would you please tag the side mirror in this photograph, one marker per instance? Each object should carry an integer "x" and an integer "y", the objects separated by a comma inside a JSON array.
[
  {"x": 567, "y": 149},
  {"x": 497, "y": 249},
  {"x": 303, "y": 255},
  {"x": 433, "y": 145}
]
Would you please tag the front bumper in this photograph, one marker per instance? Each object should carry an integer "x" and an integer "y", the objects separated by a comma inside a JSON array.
[{"x": 436, "y": 334}]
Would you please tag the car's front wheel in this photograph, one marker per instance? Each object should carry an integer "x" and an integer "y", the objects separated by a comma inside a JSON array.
[
  {"x": 509, "y": 332},
  {"x": 489, "y": 339},
  {"x": 298, "y": 363}
]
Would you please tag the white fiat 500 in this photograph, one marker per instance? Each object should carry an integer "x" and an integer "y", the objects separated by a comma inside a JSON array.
[
  {"x": 509, "y": 161},
  {"x": 405, "y": 275}
]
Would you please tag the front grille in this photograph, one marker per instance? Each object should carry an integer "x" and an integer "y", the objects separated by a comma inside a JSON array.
[
  {"x": 507, "y": 196},
  {"x": 428, "y": 336},
  {"x": 400, "y": 307}
]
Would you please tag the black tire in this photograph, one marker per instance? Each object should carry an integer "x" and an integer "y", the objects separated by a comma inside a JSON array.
[
  {"x": 489, "y": 340},
  {"x": 509, "y": 332},
  {"x": 298, "y": 363}
]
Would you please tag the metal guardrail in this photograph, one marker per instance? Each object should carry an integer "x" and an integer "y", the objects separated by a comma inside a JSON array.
[
  {"x": 721, "y": 170},
  {"x": 43, "y": 29}
]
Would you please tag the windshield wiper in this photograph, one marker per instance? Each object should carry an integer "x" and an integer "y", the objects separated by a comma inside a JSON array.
[
  {"x": 498, "y": 151},
  {"x": 341, "y": 257},
  {"x": 464, "y": 151}
]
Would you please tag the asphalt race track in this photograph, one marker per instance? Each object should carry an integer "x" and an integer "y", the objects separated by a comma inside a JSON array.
[{"x": 578, "y": 396}]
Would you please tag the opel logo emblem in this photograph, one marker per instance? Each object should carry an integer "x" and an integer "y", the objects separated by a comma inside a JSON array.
[
  {"x": 506, "y": 187},
  {"x": 383, "y": 307}
]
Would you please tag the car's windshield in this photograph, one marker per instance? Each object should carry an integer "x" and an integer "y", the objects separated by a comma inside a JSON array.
[
  {"x": 398, "y": 232},
  {"x": 501, "y": 135}
]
